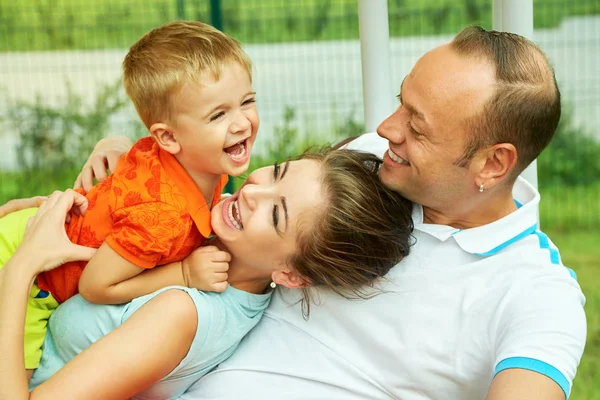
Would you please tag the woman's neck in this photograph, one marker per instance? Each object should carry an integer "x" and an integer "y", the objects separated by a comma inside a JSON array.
[{"x": 241, "y": 276}]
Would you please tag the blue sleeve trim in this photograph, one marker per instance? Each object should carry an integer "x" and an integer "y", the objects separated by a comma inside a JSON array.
[{"x": 538, "y": 366}]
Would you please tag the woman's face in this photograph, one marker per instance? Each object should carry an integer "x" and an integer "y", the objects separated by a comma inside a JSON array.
[{"x": 259, "y": 224}]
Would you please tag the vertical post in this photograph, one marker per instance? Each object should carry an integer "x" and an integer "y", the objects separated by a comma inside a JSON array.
[
  {"x": 216, "y": 16},
  {"x": 216, "y": 20},
  {"x": 375, "y": 59},
  {"x": 497, "y": 15},
  {"x": 517, "y": 17},
  {"x": 181, "y": 9}
]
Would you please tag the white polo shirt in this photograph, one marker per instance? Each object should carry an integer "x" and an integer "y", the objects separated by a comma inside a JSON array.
[{"x": 463, "y": 306}]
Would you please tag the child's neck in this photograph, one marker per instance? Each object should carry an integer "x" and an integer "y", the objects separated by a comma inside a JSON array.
[{"x": 207, "y": 183}]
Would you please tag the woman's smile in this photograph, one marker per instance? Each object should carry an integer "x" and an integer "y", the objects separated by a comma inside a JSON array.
[{"x": 231, "y": 213}]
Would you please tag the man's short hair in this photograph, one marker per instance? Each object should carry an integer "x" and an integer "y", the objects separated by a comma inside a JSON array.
[
  {"x": 167, "y": 57},
  {"x": 525, "y": 107}
]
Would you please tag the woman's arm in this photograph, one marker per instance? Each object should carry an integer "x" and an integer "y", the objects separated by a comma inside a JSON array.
[
  {"x": 116, "y": 366},
  {"x": 45, "y": 246},
  {"x": 150, "y": 344}
]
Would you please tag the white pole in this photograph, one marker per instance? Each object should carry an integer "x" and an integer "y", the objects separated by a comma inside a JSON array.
[
  {"x": 517, "y": 17},
  {"x": 497, "y": 15},
  {"x": 374, "y": 33}
]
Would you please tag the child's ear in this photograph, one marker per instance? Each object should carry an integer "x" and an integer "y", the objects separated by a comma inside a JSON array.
[
  {"x": 165, "y": 137},
  {"x": 289, "y": 278}
]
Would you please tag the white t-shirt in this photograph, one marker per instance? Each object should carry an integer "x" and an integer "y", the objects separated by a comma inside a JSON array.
[{"x": 464, "y": 305}]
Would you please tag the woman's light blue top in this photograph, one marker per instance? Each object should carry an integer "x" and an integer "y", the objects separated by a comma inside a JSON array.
[{"x": 223, "y": 320}]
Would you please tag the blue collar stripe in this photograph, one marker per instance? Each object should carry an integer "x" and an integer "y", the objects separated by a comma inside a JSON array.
[{"x": 520, "y": 236}]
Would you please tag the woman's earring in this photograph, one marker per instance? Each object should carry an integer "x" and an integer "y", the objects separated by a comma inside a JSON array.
[
  {"x": 273, "y": 285},
  {"x": 481, "y": 188}
]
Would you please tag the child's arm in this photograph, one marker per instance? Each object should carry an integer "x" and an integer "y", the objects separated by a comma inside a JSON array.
[
  {"x": 107, "y": 278},
  {"x": 110, "y": 279}
]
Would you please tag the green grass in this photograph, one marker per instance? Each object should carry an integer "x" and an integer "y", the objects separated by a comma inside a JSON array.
[
  {"x": 96, "y": 24},
  {"x": 580, "y": 251},
  {"x": 569, "y": 209}
]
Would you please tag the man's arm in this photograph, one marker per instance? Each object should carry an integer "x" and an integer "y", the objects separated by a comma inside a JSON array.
[
  {"x": 540, "y": 337},
  {"x": 104, "y": 157},
  {"x": 524, "y": 385}
]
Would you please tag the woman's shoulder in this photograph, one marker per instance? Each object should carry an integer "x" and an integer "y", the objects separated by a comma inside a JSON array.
[{"x": 175, "y": 299}]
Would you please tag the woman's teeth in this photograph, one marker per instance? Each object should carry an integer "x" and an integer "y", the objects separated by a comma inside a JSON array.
[
  {"x": 234, "y": 215},
  {"x": 397, "y": 158}
]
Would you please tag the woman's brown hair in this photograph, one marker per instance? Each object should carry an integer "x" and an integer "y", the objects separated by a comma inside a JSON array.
[{"x": 362, "y": 230}]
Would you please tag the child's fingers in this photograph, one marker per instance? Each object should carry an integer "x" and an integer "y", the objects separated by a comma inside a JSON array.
[
  {"x": 220, "y": 266},
  {"x": 220, "y": 286},
  {"x": 207, "y": 249},
  {"x": 221, "y": 256},
  {"x": 220, "y": 277}
]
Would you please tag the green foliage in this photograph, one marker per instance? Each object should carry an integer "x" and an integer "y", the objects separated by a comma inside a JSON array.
[
  {"x": 54, "y": 141},
  {"x": 54, "y": 138},
  {"x": 97, "y": 24},
  {"x": 572, "y": 156},
  {"x": 570, "y": 208}
]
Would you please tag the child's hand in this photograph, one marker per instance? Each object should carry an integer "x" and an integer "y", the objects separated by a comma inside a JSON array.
[{"x": 206, "y": 269}]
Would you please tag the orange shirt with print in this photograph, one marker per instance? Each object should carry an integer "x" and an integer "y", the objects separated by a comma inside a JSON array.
[{"x": 149, "y": 211}]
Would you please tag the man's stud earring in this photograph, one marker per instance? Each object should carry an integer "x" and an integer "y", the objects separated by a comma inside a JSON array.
[{"x": 481, "y": 188}]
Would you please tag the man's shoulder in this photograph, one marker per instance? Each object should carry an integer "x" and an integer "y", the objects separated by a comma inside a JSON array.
[{"x": 370, "y": 142}]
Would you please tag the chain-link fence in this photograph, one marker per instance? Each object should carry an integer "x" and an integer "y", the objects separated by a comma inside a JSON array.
[
  {"x": 60, "y": 92},
  {"x": 60, "y": 67}
]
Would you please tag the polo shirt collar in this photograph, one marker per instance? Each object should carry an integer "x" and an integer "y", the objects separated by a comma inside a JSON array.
[
  {"x": 195, "y": 202},
  {"x": 489, "y": 239}
]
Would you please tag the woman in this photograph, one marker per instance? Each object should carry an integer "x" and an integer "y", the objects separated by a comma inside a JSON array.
[{"x": 324, "y": 219}]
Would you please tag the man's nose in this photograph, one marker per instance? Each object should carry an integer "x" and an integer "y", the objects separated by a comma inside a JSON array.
[{"x": 393, "y": 128}]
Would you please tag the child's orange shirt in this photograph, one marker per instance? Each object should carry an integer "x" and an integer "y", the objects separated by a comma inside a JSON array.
[{"x": 149, "y": 211}]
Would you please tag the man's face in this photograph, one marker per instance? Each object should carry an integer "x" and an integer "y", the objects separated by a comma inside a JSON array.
[{"x": 428, "y": 132}]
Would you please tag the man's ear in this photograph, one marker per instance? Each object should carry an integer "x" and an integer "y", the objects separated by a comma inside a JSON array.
[
  {"x": 289, "y": 278},
  {"x": 494, "y": 164},
  {"x": 165, "y": 137}
]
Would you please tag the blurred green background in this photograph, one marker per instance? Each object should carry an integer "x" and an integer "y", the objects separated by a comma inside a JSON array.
[{"x": 60, "y": 92}]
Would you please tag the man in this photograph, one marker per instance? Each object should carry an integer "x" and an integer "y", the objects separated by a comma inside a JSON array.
[{"x": 482, "y": 306}]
